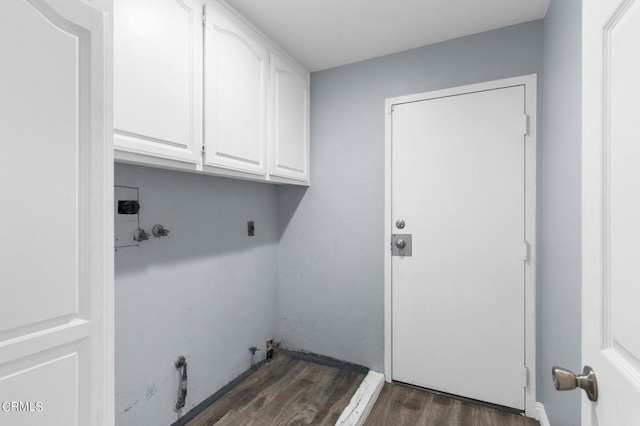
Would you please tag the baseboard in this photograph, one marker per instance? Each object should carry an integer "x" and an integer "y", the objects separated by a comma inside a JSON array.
[
  {"x": 541, "y": 415},
  {"x": 325, "y": 360},
  {"x": 191, "y": 414},
  {"x": 362, "y": 401}
]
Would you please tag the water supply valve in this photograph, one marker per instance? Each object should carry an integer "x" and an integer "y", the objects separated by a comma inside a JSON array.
[
  {"x": 140, "y": 235},
  {"x": 160, "y": 231}
]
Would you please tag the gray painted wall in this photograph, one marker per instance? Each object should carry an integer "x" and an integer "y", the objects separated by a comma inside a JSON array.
[
  {"x": 331, "y": 251},
  {"x": 559, "y": 301},
  {"x": 316, "y": 276},
  {"x": 207, "y": 291}
]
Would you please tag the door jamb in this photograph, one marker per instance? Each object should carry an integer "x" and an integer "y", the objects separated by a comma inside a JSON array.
[{"x": 530, "y": 83}]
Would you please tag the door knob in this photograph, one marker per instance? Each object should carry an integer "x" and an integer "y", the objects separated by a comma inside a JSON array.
[
  {"x": 401, "y": 244},
  {"x": 564, "y": 379}
]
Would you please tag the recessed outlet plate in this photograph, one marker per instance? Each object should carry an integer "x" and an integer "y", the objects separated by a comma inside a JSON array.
[
  {"x": 125, "y": 224},
  {"x": 272, "y": 350}
]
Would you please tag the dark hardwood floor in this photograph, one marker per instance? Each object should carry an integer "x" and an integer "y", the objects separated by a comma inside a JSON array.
[
  {"x": 287, "y": 391},
  {"x": 400, "y": 405}
]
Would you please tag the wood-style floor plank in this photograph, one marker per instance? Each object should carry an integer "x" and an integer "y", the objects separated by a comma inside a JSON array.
[
  {"x": 405, "y": 406},
  {"x": 287, "y": 391}
]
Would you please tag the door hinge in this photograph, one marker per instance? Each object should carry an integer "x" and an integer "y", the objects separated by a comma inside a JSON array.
[
  {"x": 204, "y": 14},
  {"x": 204, "y": 149},
  {"x": 525, "y": 251},
  {"x": 525, "y": 124},
  {"x": 526, "y": 376}
]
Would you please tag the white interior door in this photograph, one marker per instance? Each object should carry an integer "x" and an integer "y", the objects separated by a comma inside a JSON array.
[
  {"x": 458, "y": 302},
  {"x": 611, "y": 209},
  {"x": 56, "y": 366}
]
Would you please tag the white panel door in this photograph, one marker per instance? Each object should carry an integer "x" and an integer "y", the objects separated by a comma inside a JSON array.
[
  {"x": 236, "y": 68},
  {"x": 611, "y": 209},
  {"x": 56, "y": 274},
  {"x": 290, "y": 133},
  {"x": 158, "y": 79},
  {"x": 458, "y": 303}
]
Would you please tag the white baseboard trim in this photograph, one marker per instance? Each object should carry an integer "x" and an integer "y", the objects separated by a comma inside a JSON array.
[
  {"x": 362, "y": 401},
  {"x": 541, "y": 415}
]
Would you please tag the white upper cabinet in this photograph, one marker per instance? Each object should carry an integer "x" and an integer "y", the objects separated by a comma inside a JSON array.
[
  {"x": 158, "y": 81},
  {"x": 236, "y": 90},
  {"x": 289, "y": 158},
  {"x": 198, "y": 88}
]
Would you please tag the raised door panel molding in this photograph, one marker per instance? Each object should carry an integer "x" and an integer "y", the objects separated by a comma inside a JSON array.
[
  {"x": 158, "y": 79},
  {"x": 236, "y": 84},
  {"x": 61, "y": 49},
  {"x": 290, "y": 132}
]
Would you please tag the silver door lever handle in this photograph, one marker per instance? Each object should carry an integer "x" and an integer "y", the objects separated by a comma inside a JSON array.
[{"x": 564, "y": 379}]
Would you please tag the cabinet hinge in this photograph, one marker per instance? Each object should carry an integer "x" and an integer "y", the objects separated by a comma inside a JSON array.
[
  {"x": 525, "y": 251},
  {"x": 204, "y": 149},
  {"x": 204, "y": 14},
  {"x": 526, "y": 376},
  {"x": 525, "y": 124}
]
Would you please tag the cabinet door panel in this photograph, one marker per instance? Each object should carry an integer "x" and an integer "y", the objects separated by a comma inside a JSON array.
[
  {"x": 236, "y": 95},
  {"x": 290, "y": 135},
  {"x": 157, "y": 78}
]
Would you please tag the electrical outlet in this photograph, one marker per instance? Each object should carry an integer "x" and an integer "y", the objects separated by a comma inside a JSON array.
[
  {"x": 126, "y": 215},
  {"x": 128, "y": 207},
  {"x": 272, "y": 350}
]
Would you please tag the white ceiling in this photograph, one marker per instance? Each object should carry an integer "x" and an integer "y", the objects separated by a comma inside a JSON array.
[{"x": 323, "y": 34}]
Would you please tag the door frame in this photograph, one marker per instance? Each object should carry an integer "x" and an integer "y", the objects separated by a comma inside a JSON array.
[{"x": 530, "y": 84}]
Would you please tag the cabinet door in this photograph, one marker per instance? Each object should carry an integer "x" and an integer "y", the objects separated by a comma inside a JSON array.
[
  {"x": 158, "y": 79},
  {"x": 236, "y": 66},
  {"x": 290, "y": 131}
]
